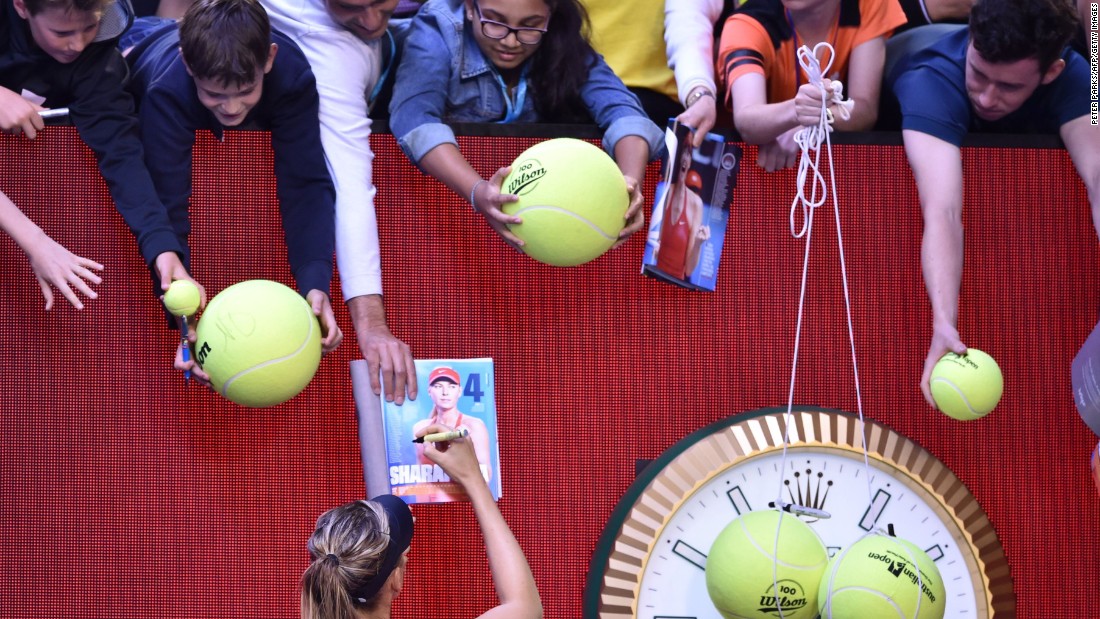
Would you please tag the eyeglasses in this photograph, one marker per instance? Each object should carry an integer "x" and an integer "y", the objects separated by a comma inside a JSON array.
[{"x": 496, "y": 30}]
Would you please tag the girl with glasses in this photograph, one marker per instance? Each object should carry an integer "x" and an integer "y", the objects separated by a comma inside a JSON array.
[{"x": 504, "y": 61}]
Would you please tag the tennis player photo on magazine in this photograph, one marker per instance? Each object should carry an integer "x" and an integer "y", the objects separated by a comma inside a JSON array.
[
  {"x": 691, "y": 209},
  {"x": 459, "y": 395}
]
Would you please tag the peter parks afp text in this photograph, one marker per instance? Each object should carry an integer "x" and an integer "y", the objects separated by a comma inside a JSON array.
[{"x": 1094, "y": 45}]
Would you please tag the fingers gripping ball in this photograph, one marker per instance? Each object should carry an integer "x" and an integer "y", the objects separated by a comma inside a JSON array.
[
  {"x": 882, "y": 577},
  {"x": 572, "y": 199},
  {"x": 743, "y": 568},
  {"x": 968, "y": 386},
  {"x": 259, "y": 342},
  {"x": 182, "y": 298}
]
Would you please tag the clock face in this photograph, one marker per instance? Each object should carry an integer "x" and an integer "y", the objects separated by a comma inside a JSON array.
[
  {"x": 650, "y": 563},
  {"x": 672, "y": 578}
]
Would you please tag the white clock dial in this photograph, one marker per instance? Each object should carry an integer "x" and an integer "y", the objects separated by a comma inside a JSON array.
[
  {"x": 650, "y": 561},
  {"x": 672, "y": 580}
]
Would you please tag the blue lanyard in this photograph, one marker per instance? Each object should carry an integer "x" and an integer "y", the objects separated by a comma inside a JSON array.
[
  {"x": 514, "y": 106},
  {"x": 385, "y": 70}
]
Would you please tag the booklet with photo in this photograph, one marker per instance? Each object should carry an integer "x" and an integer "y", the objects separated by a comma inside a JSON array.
[
  {"x": 691, "y": 209},
  {"x": 455, "y": 392}
]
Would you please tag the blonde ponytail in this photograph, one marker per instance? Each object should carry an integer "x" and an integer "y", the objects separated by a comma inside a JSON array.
[{"x": 347, "y": 548}]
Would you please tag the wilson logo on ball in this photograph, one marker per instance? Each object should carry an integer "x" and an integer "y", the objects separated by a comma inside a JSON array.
[
  {"x": 528, "y": 173},
  {"x": 791, "y": 597},
  {"x": 572, "y": 201},
  {"x": 201, "y": 355}
]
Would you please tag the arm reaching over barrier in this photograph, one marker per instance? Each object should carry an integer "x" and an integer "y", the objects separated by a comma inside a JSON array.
[
  {"x": 770, "y": 98},
  {"x": 53, "y": 265},
  {"x": 1009, "y": 70},
  {"x": 1082, "y": 140},
  {"x": 359, "y": 551},
  {"x": 515, "y": 586},
  {"x": 937, "y": 167}
]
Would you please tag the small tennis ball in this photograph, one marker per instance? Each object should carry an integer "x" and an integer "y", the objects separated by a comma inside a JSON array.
[
  {"x": 884, "y": 578},
  {"x": 259, "y": 342},
  {"x": 572, "y": 198},
  {"x": 743, "y": 568},
  {"x": 182, "y": 298},
  {"x": 966, "y": 387}
]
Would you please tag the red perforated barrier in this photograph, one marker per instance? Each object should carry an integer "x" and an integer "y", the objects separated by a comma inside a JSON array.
[{"x": 125, "y": 494}]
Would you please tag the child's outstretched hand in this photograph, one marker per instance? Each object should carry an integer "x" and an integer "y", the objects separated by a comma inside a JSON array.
[
  {"x": 54, "y": 265},
  {"x": 322, "y": 308},
  {"x": 17, "y": 115},
  {"x": 635, "y": 217}
]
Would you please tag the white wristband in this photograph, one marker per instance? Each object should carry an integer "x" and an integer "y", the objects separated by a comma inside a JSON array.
[{"x": 473, "y": 191}]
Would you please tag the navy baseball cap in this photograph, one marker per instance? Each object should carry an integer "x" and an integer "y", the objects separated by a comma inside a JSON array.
[{"x": 400, "y": 519}]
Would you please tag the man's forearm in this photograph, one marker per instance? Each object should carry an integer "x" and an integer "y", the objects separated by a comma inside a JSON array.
[
  {"x": 1092, "y": 188},
  {"x": 367, "y": 311},
  {"x": 942, "y": 263},
  {"x": 937, "y": 169},
  {"x": 1082, "y": 140},
  {"x": 1094, "y": 200}
]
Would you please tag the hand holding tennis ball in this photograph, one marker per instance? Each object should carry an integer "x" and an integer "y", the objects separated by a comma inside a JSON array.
[
  {"x": 573, "y": 201},
  {"x": 182, "y": 298},
  {"x": 170, "y": 270},
  {"x": 967, "y": 387},
  {"x": 945, "y": 339}
]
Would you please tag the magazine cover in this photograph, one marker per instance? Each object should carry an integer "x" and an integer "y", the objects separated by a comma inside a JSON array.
[
  {"x": 458, "y": 393},
  {"x": 691, "y": 209}
]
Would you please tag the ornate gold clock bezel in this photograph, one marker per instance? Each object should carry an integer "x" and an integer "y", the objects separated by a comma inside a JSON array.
[{"x": 638, "y": 520}]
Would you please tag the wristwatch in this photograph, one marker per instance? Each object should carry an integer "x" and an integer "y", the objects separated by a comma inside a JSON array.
[{"x": 697, "y": 93}]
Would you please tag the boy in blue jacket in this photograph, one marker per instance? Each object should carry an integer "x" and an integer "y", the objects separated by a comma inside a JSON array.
[
  {"x": 62, "y": 53},
  {"x": 224, "y": 67}
]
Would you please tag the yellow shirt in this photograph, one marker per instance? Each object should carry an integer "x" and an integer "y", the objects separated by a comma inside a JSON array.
[{"x": 630, "y": 35}]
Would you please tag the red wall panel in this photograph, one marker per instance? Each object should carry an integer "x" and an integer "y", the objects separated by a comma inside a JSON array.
[{"x": 125, "y": 493}]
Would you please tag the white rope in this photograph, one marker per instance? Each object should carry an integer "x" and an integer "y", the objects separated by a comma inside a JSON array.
[{"x": 809, "y": 140}]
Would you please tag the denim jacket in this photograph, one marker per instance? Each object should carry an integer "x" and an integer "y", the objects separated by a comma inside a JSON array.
[{"x": 444, "y": 77}]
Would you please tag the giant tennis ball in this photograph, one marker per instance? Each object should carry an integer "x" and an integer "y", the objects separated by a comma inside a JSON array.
[
  {"x": 182, "y": 298},
  {"x": 259, "y": 342},
  {"x": 966, "y": 386},
  {"x": 748, "y": 579},
  {"x": 572, "y": 199},
  {"x": 882, "y": 577}
]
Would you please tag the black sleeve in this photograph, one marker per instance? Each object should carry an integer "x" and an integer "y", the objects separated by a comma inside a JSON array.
[
  {"x": 103, "y": 113},
  {"x": 771, "y": 15}
]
